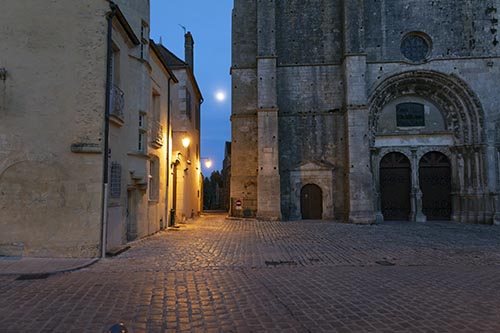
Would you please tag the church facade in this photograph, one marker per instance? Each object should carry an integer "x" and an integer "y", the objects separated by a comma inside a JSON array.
[{"x": 364, "y": 111}]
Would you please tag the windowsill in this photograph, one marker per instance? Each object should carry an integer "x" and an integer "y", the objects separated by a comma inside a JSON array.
[
  {"x": 414, "y": 131},
  {"x": 139, "y": 154},
  {"x": 410, "y": 128},
  {"x": 86, "y": 148}
]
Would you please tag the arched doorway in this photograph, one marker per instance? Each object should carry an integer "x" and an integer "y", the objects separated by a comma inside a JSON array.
[
  {"x": 395, "y": 185},
  {"x": 311, "y": 202},
  {"x": 464, "y": 122},
  {"x": 435, "y": 183}
]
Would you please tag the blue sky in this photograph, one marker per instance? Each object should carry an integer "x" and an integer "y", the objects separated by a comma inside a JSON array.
[{"x": 210, "y": 23}]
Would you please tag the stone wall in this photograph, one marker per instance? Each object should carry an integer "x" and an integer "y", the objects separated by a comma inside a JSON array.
[
  {"x": 309, "y": 32},
  {"x": 462, "y": 28},
  {"x": 53, "y": 98},
  {"x": 331, "y": 56}
]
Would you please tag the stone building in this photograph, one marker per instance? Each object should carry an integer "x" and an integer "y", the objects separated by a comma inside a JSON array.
[
  {"x": 187, "y": 180},
  {"x": 139, "y": 127},
  {"x": 226, "y": 178},
  {"x": 363, "y": 110},
  {"x": 86, "y": 135}
]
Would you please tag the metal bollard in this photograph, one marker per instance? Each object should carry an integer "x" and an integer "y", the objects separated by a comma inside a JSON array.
[
  {"x": 118, "y": 328},
  {"x": 172, "y": 217}
]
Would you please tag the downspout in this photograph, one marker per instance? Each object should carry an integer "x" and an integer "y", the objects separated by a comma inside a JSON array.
[
  {"x": 169, "y": 151},
  {"x": 104, "y": 216},
  {"x": 201, "y": 187}
]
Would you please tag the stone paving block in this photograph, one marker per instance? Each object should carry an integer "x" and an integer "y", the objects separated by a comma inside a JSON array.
[{"x": 445, "y": 278}]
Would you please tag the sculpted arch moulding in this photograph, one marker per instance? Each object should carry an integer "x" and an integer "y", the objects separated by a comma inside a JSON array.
[
  {"x": 464, "y": 119},
  {"x": 461, "y": 107}
]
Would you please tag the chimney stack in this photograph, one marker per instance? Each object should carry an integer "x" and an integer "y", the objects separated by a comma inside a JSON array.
[{"x": 189, "y": 50}]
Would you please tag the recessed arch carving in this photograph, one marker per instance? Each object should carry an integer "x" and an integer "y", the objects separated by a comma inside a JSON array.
[{"x": 460, "y": 106}]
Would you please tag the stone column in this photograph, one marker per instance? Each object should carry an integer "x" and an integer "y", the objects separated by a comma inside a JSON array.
[
  {"x": 359, "y": 179},
  {"x": 456, "y": 185},
  {"x": 416, "y": 214},
  {"x": 268, "y": 180},
  {"x": 482, "y": 207},
  {"x": 496, "y": 194},
  {"x": 379, "y": 217}
]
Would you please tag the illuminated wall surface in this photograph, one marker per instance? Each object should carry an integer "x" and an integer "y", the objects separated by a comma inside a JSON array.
[{"x": 53, "y": 102}]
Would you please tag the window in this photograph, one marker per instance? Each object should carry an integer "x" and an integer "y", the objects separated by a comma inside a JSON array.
[
  {"x": 115, "y": 65},
  {"x": 156, "y": 127},
  {"x": 115, "y": 187},
  {"x": 410, "y": 115},
  {"x": 141, "y": 144},
  {"x": 188, "y": 104},
  {"x": 153, "y": 179},
  {"x": 144, "y": 38},
  {"x": 156, "y": 105},
  {"x": 416, "y": 46},
  {"x": 116, "y": 98}
]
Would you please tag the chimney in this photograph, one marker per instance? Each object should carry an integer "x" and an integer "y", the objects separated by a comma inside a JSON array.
[{"x": 189, "y": 50}]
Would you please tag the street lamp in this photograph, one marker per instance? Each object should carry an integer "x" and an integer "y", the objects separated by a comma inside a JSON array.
[{"x": 186, "y": 141}]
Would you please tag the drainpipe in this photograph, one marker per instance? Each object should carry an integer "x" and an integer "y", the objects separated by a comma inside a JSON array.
[
  {"x": 104, "y": 217},
  {"x": 167, "y": 211}
]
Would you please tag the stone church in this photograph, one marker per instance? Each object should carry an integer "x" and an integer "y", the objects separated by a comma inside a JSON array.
[{"x": 363, "y": 111}]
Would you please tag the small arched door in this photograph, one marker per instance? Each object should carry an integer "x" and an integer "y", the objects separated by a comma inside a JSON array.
[
  {"x": 311, "y": 202},
  {"x": 395, "y": 185},
  {"x": 435, "y": 183}
]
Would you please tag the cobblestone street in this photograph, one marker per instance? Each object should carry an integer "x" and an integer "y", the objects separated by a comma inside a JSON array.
[{"x": 250, "y": 276}]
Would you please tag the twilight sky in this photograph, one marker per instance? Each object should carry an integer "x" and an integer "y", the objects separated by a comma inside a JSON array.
[{"x": 210, "y": 23}]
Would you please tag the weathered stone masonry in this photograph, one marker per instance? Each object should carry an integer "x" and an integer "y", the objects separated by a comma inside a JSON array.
[{"x": 321, "y": 91}]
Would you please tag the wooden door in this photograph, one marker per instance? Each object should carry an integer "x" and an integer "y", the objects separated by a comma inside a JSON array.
[
  {"x": 311, "y": 202},
  {"x": 435, "y": 183},
  {"x": 395, "y": 185}
]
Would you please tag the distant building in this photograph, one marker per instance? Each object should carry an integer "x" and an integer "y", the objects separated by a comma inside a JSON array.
[
  {"x": 89, "y": 110},
  {"x": 187, "y": 180},
  {"x": 364, "y": 111}
]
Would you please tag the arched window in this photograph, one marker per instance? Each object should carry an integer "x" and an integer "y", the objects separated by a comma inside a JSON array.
[{"x": 410, "y": 115}]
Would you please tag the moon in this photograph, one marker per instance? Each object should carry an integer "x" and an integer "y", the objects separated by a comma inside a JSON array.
[{"x": 220, "y": 96}]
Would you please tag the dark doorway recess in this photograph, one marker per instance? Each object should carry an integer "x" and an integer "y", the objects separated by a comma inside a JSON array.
[
  {"x": 395, "y": 185},
  {"x": 311, "y": 202},
  {"x": 435, "y": 182}
]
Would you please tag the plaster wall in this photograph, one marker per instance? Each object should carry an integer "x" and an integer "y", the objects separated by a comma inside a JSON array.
[
  {"x": 52, "y": 97},
  {"x": 188, "y": 199}
]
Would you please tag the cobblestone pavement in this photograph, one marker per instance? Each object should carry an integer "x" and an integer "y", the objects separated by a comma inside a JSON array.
[{"x": 249, "y": 276}]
